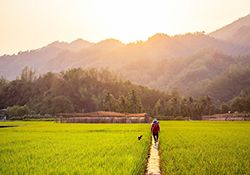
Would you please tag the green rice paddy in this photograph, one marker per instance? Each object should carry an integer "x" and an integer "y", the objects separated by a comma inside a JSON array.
[
  {"x": 55, "y": 148},
  {"x": 186, "y": 147},
  {"x": 198, "y": 147}
]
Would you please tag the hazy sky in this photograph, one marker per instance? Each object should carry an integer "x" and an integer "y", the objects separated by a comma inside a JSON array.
[{"x": 30, "y": 24}]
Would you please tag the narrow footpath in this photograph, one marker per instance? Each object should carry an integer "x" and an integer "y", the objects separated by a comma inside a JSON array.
[{"x": 153, "y": 166}]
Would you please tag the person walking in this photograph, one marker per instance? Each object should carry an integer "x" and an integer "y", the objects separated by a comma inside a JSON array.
[{"x": 155, "y": 129}]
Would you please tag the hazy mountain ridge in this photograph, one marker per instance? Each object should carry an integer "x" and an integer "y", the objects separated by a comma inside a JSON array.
[
  {"x": 237, "y": 32},
  {"x": 186, "y": 62}
]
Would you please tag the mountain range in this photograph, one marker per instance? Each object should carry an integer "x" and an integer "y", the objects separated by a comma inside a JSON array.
[{"x": 194, "y": 63}]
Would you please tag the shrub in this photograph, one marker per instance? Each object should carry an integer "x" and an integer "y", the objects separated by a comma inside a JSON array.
[{"x": 18, "y": 111}]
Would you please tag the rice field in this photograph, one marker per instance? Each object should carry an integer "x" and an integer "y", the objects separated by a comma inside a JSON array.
[
  {"x": 186, "y": 147},
  {"x": 55, "y": 148},
  {"x": 199, "y": 147}
]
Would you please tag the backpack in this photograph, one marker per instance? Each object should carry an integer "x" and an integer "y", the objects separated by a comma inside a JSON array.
[{"x": 155, "y": 127}]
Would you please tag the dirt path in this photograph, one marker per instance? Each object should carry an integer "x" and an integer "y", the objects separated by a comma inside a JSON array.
[{"x": 153, "y": 166}]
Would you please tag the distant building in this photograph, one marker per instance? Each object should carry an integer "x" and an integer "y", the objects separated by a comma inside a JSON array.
[
  {"x": 102, "y": 117},
  {"x": 228, "y": 116},
  {"x": 3, "y": 114}
]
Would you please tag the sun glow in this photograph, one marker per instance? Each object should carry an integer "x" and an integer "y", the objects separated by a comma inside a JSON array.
[
  {"x": 32, "y": 24},
  {"x": 136, "y": 20}
]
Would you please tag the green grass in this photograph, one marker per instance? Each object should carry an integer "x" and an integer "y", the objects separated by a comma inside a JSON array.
[
  {"x": 186, "y": 147},
  {"x": 196, "y": 147},
  {"x": 54, "y": 148}
]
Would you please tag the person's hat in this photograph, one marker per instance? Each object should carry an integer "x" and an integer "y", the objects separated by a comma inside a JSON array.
[{"x": 155, "y": 120}]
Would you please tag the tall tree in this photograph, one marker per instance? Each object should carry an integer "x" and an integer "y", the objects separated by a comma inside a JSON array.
[{"x": 28, "y": 74}]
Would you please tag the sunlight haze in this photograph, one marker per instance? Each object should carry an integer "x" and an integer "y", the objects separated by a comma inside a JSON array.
[{"x": 31, "y": 24}]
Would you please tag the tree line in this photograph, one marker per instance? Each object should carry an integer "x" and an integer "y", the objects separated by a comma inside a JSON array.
[{"x": 79, "y": 90}]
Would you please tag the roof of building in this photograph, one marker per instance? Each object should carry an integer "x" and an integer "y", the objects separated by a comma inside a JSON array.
[{"x": 101, "y": 114}]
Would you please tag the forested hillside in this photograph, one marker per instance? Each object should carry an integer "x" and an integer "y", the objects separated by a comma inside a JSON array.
[
  {"x": 79, "y": 90},
  {"x": 195, "y": 64}
]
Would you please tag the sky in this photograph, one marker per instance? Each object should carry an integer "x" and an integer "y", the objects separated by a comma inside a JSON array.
[{"x": 31, "y": 24}]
